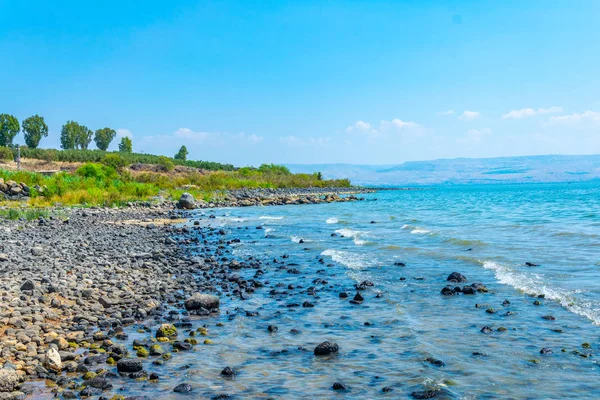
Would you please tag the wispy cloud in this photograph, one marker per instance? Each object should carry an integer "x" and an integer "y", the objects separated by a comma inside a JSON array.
[
  {"x": 122, "y": 132},
  {"x": 310, "y": 141},
  {"x": 449, "y": 112},
  {"x": 478, "y": 134},
  {"x": 592, "y": 116},
  {"x": 469, "y": 115},
  {"x": 385, "y": 126},
  {"x": 530, "y": 112}
]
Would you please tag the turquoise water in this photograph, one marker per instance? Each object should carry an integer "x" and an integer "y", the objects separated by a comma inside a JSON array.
[{"x": 487, "y": 233}]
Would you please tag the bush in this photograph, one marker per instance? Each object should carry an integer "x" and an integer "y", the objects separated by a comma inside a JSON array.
[
  {"x": 274, "y": 169},
  {"x": 50, "y": 155},
  {"x": 6, "y": 154},
  {"x": 165, "y": 163},
  {"x": 96, "y": 171},
  {"x": 115, "y": 161}
]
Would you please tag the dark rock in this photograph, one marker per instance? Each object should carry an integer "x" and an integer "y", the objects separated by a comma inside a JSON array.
[
  {"x": 435, "y": 361},
  {"x": 199, "y": 301},
  {"x": 129, "y": 365},
  {"x": 28, "y": 285},
  {"x": 273, "y": 328},
  {"x": 486, "y": 329},
  {"x": 427, "y": 394},
  {"x": 186, "y": 202},
  {"x": 456, "y": 277},
  {"x": 183, "y": 388},
  {"x": 546, "y": 350},
  {"x": 228, "y": 372},
  {"x": 530, "y": 264},
  {"x": 448, "y": 291},
  {"x": 339, "y": 386},
  {"x": 326, "y": 348}
]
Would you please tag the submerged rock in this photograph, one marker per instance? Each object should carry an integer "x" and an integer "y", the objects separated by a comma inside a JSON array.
[
  {"x": 129, "y": 365},
  {"x": 456, "y": 277},
  {"x": 183, "y": 388},
  {"x": 326, "y": 348}
]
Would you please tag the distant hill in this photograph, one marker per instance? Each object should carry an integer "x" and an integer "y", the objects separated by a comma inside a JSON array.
[{"x": 532, "y": 169}]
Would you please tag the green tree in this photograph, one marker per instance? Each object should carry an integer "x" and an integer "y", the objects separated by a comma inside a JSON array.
[
  {"x": 181, "y": 154},
  {"x": 126, "y": 146},
  {"x": 69, "y": 135},
  {"x": 84, "y": 137},
  {"x": 103, "y": 137},
  {"x": 34, "y": 129},
  {"x": 9, "y": 127}
]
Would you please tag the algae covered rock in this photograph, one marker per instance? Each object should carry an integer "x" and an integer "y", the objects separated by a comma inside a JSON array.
[{"x": 166, "y": 331}]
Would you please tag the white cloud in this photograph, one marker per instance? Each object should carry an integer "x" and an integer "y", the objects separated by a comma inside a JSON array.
[
  {"x": 253, "y": 139},
  {"x": 530, "y": 112},
  {"x": 310, "y": 141},
  {"x": 385, "y": 126},
  {"x": 449, "y": 112},
  {"x": 550, "y": 110},
  {"x": 362, "y": 127},
  {"x": 399, "y": 124},
  {"x": 122, "y": 132},
  {"x": 187, "y": 133},
  {"x": 469, "y": 115},
  {"x": 592, "y": 116}
]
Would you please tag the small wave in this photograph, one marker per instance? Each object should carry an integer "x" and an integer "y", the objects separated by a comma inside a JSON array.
[
  {"x": 297, "y": 239},
  {"x": 465, "y": 242},
  {"x": 420, "y": 231},
  {"x": 355, "y": 235},
  {"x": 351, "y": 260},
  {"x": 270, "y": 218},
  {"x": 534, "y": 284},
  {"x": 332, "y": 220}
]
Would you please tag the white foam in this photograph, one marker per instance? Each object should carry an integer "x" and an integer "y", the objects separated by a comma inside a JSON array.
[
  {"x": 332, "y": 220},
  {"x": 406, "y": 226},
  {"x": 351, "y": 260},
  {"x": 270, "y": 218},
  {"x": 355, "y": 235},
  {"x": 296, "y": 239},
  {"x": 534, "y": 284},
  {"x": 420, "y": 231}
]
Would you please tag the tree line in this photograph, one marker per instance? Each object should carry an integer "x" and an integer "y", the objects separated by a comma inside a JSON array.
[{"x": 73, "y": 136}]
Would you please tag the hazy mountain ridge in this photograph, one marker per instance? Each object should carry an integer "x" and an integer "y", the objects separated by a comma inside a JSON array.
[{"x": 526, "y": 169}]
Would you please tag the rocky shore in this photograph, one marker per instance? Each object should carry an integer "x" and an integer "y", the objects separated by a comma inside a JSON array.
[
  {"x": 275, "y": 197},
  {"x": 71, "y": 283}
]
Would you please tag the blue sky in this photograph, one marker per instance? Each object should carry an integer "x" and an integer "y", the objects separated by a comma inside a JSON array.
[{"x": 365, "y": 82}]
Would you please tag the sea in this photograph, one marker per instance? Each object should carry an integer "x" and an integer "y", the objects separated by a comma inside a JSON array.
[{"x": 536, "y": 247}]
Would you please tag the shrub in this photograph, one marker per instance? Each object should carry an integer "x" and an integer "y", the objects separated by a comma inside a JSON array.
[
  {"x": 6, "y": 154},
  {"x": 96, "y": 171},
  {"x": 165, "y": 163},
  {"x": 115, "y": 161}
]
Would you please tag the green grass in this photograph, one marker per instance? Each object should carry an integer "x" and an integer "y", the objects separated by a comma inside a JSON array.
[
  {"x": 97, "y": 184},
  {"x": 29, "y": 214}
]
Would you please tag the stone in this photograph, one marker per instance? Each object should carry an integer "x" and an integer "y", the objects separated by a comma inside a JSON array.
[
  {"x": 427, "y": 394},
  {"x": 186, "y": 202},
  {"x": 202, "y": 301},
  {"x": 129, "y": 365},
  {"x": 52, "y": 360},
  {"x": 28, "y": 285},
  {"x": 9, "y": 380},
  {"x": 167, "y": 331},
  {"x": 546, "y": 350},
  {"x": 183, "y": 388},
  {"x": 339, "y": 386},
  {"x": 326, "y": 348},
  {"x": 228, "y": 372},
  {"x": 456, "y": 277}
]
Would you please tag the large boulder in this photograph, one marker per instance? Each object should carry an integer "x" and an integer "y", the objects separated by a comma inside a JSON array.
[
  {"x": 9, "y": 380},
  {"x": 187, "y": 202},
  {"x": 202, "y": 301},
  {"x": 128, "y": 365},
  {"x": 52, "y": 360}
]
